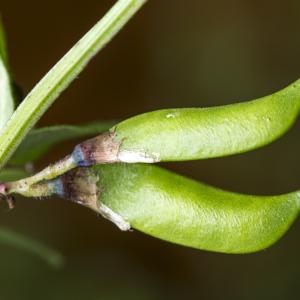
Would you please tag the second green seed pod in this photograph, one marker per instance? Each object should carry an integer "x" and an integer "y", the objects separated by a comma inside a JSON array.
[{"x": 176, "y": 209}]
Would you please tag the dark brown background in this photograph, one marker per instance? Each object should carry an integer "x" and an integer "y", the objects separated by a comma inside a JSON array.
[{"x": 172, "y": 54}]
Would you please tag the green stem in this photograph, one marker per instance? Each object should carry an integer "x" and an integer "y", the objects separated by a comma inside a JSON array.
[
  {"x": 26, "y": 186},
  {"x": 61, "y": 75}
]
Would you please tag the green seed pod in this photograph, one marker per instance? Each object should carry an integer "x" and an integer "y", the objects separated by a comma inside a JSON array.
[
  {"x": 176, "y": 209},
  {"x": 199, "y": 133},
  {"x": 194, "y": 133}
]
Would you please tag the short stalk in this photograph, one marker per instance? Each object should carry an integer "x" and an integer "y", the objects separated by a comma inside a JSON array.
[{"x": 27, "y": 186}]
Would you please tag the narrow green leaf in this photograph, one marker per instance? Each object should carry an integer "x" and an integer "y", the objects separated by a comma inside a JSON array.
[
  {"x": 11, "y": 174},
  {"x": 40, "y": 140},
  {"x": 3, "y": 48},
  {"x": 6, "y": 94},
  {"x": 61, "y": 75},
  {"x": 8, "y": 237}
]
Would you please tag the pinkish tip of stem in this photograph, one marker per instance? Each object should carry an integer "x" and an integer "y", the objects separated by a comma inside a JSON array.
[{"x": 3, "y": 189}]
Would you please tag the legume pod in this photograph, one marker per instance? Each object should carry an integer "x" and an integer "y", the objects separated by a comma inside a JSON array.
[
  {"x": 176, "y": 209},
  {"x": 199, "y": 133}
]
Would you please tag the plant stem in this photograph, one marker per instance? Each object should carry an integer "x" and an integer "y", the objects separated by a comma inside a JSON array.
[
  {"x": 61, "y": 75},
  {"x": 24, "y": 186}
]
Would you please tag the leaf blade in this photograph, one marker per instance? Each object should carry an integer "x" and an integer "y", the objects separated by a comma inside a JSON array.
[
  {"x": 6, "y": 93},
  {"x": 12, "y": 174},
  {"x": 11, "y": 238},
  {"x": 41, "y": 140},
  {"x": 3, "y": 47},
  {"x": 62, "y": 74}
]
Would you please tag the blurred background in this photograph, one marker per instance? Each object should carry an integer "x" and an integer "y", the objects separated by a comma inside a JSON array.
[{"x": 172, "y": 54}]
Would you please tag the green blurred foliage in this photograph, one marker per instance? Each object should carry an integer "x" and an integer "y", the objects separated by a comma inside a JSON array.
[
  {"x": 15, "y": 240},
  {"x": 40, "y": 141}
]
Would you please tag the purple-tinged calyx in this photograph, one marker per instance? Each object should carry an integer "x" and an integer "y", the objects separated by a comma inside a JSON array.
[
  {"x": 105, "y": 149},
  {"x": 99, "y": 150},
  {"x": 80, "y": 185}
]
